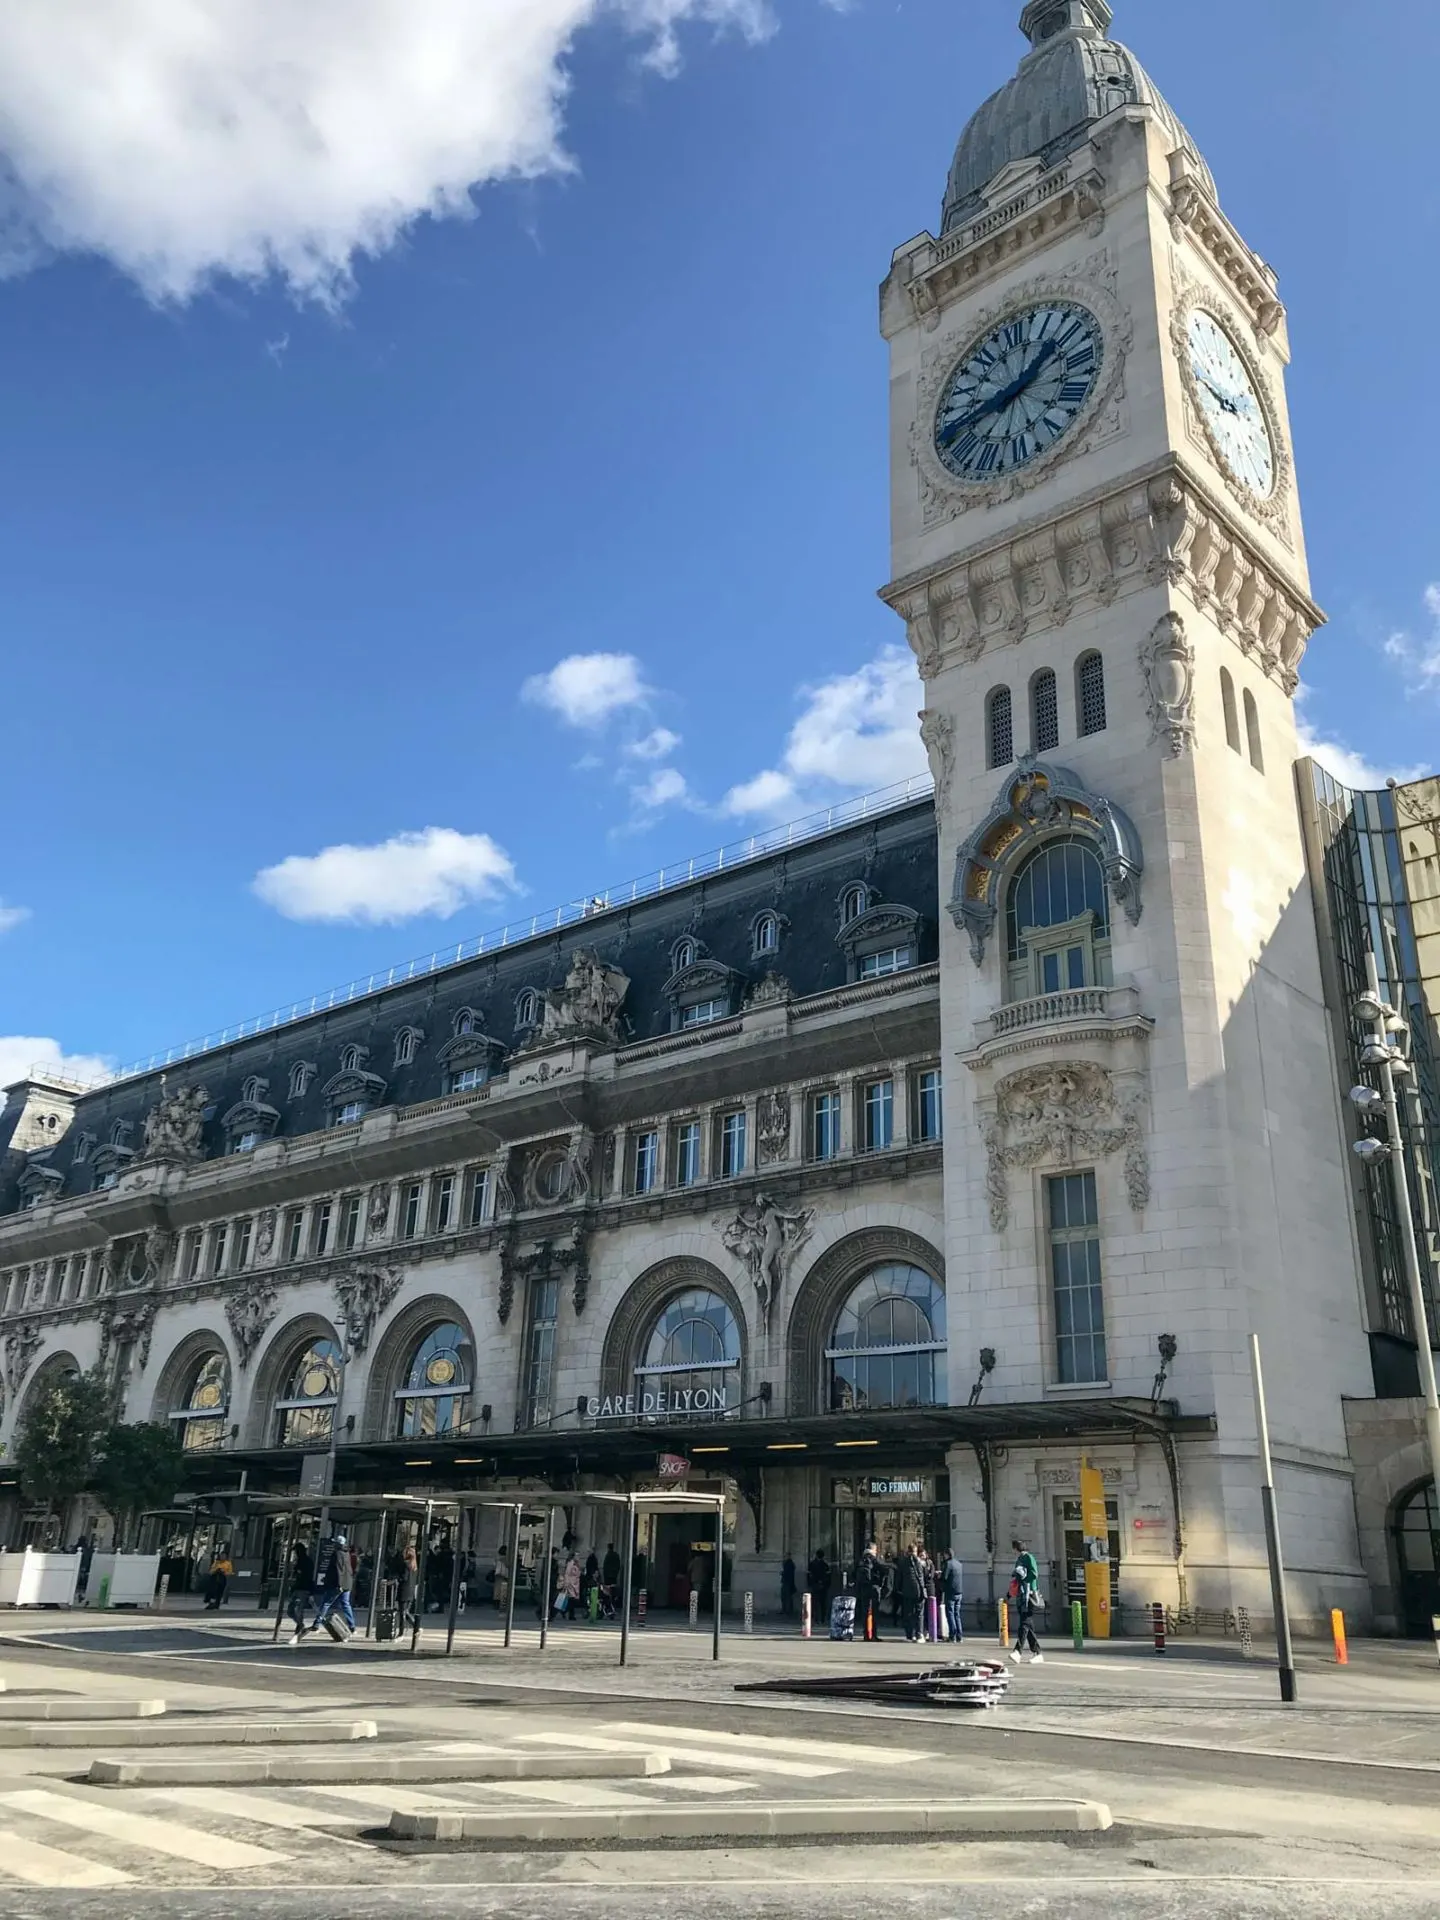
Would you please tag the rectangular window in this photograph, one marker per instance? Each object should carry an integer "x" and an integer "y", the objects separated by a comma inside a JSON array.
[
  {"x": 217, "y": 1250},
  {"x": 879, "y": 1116},
  {"x": 929, "y": 1105},
  {"x": 703, "y": 1013},
  {"x": 469, "y": 1078},
  {"x": 646, "y": 1170},
  {"x": 479, "y": 1195},
  {"x": 320, "y": 1239},
  {"x": 1062, "y": 969},
  {"x": 825, "y": 1126},
  {"x": 444, "y": 1209},
  {"x": 352, "y": 1111},
  {"x": 544, "y": 1314},
  {"x": 294, "y": 1229},
  {"x": 350, "y": 1222},
  {"x": 687, "y": 1153},
  {"x": 242, "y": 1245},
  {"x": 732, "y": 1146},
  {"x": 875, "y": 966},
  {"x": 410, "y": 1216},
  {"x": 1075, "y": 1267}
]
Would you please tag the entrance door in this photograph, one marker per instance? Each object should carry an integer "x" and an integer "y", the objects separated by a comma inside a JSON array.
[
  {"x": 1073, "y": 1534},
  {"x": 1417, "y": 1556}
]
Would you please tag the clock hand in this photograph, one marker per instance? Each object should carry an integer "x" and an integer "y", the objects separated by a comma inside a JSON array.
[
  {"x": 999, "y": 401},
  {"x": 1228, "y": 401}
]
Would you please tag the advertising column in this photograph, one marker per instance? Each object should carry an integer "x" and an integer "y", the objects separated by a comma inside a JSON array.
[{"x": 1096, "y": 1528}]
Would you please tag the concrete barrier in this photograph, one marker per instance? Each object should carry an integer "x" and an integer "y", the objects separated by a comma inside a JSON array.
[
  {"x": 74, "y": 1708},
  {"x": 387, "y": 1768},
  {"x": 806, "y": 1819},
  {"x": 192, "y": 1733}
]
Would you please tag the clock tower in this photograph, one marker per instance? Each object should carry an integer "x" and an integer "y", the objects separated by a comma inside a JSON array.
[{"x": 1099, "y": 556}]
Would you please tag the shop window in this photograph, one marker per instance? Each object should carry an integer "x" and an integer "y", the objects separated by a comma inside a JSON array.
[{"x": 888, "y": 1345}]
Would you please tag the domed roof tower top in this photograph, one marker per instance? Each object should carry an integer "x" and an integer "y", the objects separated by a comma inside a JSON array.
[{"x": 1072, "y": 77}]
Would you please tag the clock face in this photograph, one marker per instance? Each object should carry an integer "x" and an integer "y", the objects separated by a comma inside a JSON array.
[
  {"x": 1232, "y": 408},
  {"x": 1018, "y": 391}
]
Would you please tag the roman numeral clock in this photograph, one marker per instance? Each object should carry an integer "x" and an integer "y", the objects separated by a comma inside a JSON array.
[{"x": 1017, "y": 390}]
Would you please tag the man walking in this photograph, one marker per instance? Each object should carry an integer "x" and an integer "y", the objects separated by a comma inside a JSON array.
[
  {"x": 952, "y": 1586},
  {"x": 869, "y": 1592},
  {"x": 1025, "y": 1592},
  {"x": 787, "y": 1586},
  {"x": 337, "y": 1577}
]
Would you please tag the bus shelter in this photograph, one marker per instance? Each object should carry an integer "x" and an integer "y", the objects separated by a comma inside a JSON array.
[{"x": 390, "y": 1508}]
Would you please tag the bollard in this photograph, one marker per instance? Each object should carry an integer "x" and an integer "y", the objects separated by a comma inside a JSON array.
[
  {"x": 1157, "y": 1616},
  {"x": 162, "y": 1594},
  {"x": 1004, "y": 1623},
  {"x": 694, "y": 1607},
  {"x": 641, "y": 1600},
  {"x": 594, "y": 1605},
  {"x": 104, "y": 1596},
  {"x": 749, "y": 1613},
  {"x": 1342, "y": 1645},
  {"x": 1077, "y": 1624},
  {"x": 932, "y": 1621},
  {"x": 806, "y": 1608},
  {"x": 1247, "y": 1639}
]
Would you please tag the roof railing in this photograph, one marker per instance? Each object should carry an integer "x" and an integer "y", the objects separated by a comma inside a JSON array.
[{"x": 738, "y": 853}]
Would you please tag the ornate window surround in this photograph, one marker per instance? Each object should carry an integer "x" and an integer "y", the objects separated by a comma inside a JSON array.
[
  {"x": 704, "y": 979},
  {"x": 824, "y": 1291},
  {"x": 634, "y": 1319},
  {"x": 1039, "y": 799},
  {"x": 881, "y": 925}
]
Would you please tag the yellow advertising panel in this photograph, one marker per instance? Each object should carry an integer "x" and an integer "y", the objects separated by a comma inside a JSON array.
[{"x": 1095, "y": 1525}]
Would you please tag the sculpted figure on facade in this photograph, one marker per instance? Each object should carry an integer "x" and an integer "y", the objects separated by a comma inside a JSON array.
[
  {"x": 132, "y": 1328},
  {"x": 1167, "y": 662},
  {"x": 588, "y": 1003},
  {"x": 772, "y": 1127},
  {"x": 159, "y": 1255},
  {"x": 174, "y": 1128},
  {"x": 1058, "y": 1116},
  {"x": 937, "y": 731},
  {"x": 363, "y": 1294},
  {"x": 770, "y": 991},
  {"x": 250, "y": 1314},
  {"x": 765, "y": 1238},
  {"x": 21, "y": 1347},
  {"x": 264, "y": 1233},
  {"x": 378, "y": 1211}
]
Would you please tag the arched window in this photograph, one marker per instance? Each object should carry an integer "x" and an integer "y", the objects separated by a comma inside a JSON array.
[
  {"x": 683, "y": 955},
  {"x": 999, "y": 728},
  {"x": 853, "y": 903},
  {"x": 887, "y": 1347},
  {"x": 301, "y": 1074},
  {"x": 1416, "y": 1533},
  {"x": 1044, "y": 713},
  {"x": 691, "y": 1361},
  {"x": 1232, "y": 715},
  {"x": 200, "y": 1418},
  {"x": 1057, "y": 914},
  {"x": 305, "y": 1410},
  {"x": 1090, "y": 693},
  {"x": 435, "y": 1396},
  {"x": 118, "y": 1133},
  {"x": 527, "y": 1008},
  {"x": 254, "y": 1091},
  {"x": 352, "y": 1059},
  {"x": 407, "y": 1045},
  {"x": 1252, "y": 732},
  {"x": 464, "y": 1023},
  {"x": 767, "y": 934}
]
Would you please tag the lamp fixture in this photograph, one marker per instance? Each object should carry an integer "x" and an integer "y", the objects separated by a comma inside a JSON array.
[
  {"x": 419, "y": 1463},
  {"x": 788, "y": 1446},
  {"x": 1370, "y": 1150},
  {"x": 709, "y": 1450},
  {"x": 1367, "y": 1099},
  {"x": 1370, "y": 1008},
  {"x": 857, "y": 1443}
]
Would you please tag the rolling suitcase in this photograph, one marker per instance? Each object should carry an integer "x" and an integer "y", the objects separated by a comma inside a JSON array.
[
  {"x": 842, "y": 1617},
  {"x": 338, "y": 1627}
]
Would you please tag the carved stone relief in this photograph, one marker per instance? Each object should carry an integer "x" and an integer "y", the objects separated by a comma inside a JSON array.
[
  {"x": 1167, "y": 662},
  {"x": 588, "y": 1003},
  {"x": 1058, "y": 1116},
  {"x": 772, "y": 1127},
  {"x": 129, "y": 1326},
  {"x": 21, "y": 1347},
  {"x": 378, "y": 1215},
  {"x": 159, "y": 1255},
  {"x": 264, "y": 1233},
  {"x": 937, "y": 730},
  {"x": 250, "y": 1314},
  {"x": 174, "y": 1128},
  {"x": 363, "y": 1294},
  {"x": 765, "y": 1238}
]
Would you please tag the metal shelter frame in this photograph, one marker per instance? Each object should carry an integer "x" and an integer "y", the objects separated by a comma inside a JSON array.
[{"x": 424, "y": 1508}]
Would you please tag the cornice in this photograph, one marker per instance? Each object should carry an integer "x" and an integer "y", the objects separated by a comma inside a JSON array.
[
  {"x": 1161, "y": 526},
  {"x": 1195, "y": 216}
]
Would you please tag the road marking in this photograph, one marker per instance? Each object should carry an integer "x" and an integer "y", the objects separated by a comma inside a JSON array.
[
  {"x": 707, "y": 1783},
  {"x": 867, "y": 1757},
  {"x": 249, "y": 1806},
  {"x": 387, "y": 1799},
  {"x": 138, "y": 1830},
  {"x": 41, "y": 1866},
  {"x": 567, "y": 1793},
  {"x": 740, "y": 1761}
]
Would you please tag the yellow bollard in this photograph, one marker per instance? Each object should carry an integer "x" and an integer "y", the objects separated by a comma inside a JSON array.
[
  {"x": 1342, "y": 1646},
  {"x": 1004, "y": 1623}
]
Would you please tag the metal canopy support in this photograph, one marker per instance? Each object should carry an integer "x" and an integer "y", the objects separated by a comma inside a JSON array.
[
  {"x": 549, "y": 1560},
  {"x": 514, "y": 1575},
  {"x": 627, "y": 1580},
  {"x": 421, "y": 1562},
  {"x": 719, "y": 1577},
  {"x": 457, "y": 1567},
  {"x": 377, "y": 1577}
]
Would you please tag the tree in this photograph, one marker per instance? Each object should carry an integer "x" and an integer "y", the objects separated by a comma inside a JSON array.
[
  {"x": 60, "y": 1436},
  {"x": 137, "y": 1468}
]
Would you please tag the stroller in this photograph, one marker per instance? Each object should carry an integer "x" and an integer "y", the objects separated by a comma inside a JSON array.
[{"x": 607, "y": 1602}]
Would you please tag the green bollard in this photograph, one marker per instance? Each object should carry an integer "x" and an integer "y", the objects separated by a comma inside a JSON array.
[
  {"x": 105, "y": 1592},
  {"x": 1077, "y": 1624},
  {"x": 594, "y": 1605}
]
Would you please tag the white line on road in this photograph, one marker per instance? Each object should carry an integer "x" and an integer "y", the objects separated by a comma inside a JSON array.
[
  {"x": 741, "y": 1760},
  {"x": 292, "y": 1815},
  {"x": 138, "y": 1830},
  {"x": 821, "y": 1749},
  {"x": 567, "y": 1793},
  {"x": 41, "y": 1866}
]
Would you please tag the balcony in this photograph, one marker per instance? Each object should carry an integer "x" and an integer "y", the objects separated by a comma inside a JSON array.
[{"x": 1081, "y": 1018}]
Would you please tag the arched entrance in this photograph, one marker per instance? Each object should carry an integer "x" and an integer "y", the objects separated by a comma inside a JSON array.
[{"x": 1415, "y": 1531}]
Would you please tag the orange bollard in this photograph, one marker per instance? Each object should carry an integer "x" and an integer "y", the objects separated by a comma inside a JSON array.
[
  {"x": 1004, "y": 1623},
  {"x": 1342, "y": 1645}
]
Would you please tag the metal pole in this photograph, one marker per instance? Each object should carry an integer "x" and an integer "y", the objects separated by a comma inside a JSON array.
[
  {"x": 378, "y": 1575},
  {"x": 627, "y": 1580},
  {"x": 514, "y": 1574},
  {"x": 421, "y": 1562},
  {"x": 549, "y": 1556},
  {"x": 457, "y": 1564},
  {"x": 1283, "y": 1647},
  {"x": 1400, "y": 1175},
  {"x": 284, "y": 1576},
  {"x": 719, "y": 1573}
]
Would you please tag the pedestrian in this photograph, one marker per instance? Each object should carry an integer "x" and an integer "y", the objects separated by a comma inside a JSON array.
[
  {"x": 869, "y": 1593},
  {"x": 500, "y": 1581},
  {"x": 217, "y": 1580},
  {"x": 590, "y": 1581},
  {"x": 818, "y": 1578},
  {"x": 698, "y": 1569},
  {"x": 787, "y": 1586},
  {"x": 409, "y": 1578},
  {"x": 87, "y": 1554},
  {"x": 952, "y": 1589},
  {"x": 610, "y": 1569},
  {"x": 302, "y": 1584},
  {"x": 570, "y": 1588},
  {"x": 1025, "y": 1593},
  {"x": 336, "y": 1580},
  {"x": 639, "y": 1574},
  {"x": 912, "y": 1593}
]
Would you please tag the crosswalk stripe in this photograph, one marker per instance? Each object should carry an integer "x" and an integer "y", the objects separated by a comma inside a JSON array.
[
  {"x": 139, "y": 1830},
  {"x": 567, "y": 1793},
  {"x": 658, "y": 1742},
  {"x": 41, "y": 1866},
  {"x": 387, "y": 1799},
  {"x": 820, "y": 1749},
  {"x": 705, "y": 1783},
  {"x": 293, "y": 1816}
]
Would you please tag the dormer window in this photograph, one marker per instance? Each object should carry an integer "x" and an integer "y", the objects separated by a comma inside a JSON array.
[
  {"x": 464, "y": 1023},
  {"x": 527, "y": 1009},
  {"x": 853, "y": 903},
  {"x": 882, "y": 940},
  {"x": 765, "y": 936},
  {"x": 703, "y": 1012},
  {"x": 118, "y": 1133},
  {"x": 254, "y": 1091},
  {"x": 350, "y": 1113},
  {"x": 301, "y": 1076},
  {"x": 407, "y": 1046},
  {"x": 683, "y": 955},
  {"x": 352, "y": 1058},
  {"x": 82, "y": 1148},
  {"x": 246, "y": 1142}
]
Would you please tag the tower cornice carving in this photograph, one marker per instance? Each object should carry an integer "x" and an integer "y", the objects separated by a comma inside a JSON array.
[
  {"x": 1195, "y": 216},
  {"x": 1162, "y": 527}
]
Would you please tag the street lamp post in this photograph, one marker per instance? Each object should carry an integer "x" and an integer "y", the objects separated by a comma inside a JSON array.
[{"x": 1387, "y": 1053}]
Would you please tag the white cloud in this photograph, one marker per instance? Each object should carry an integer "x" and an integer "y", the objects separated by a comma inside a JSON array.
[
  {"x": 1349, "y": 767},
  {"x": 185, "y": 139},
  {"x": 437, "y": 871},
  {"x": 857, "y": 732},
  {"x": 20, "y": 1052},
  {"x": 586, "y": 688},
  {"x": 656, "y": 745},
  {"x": 665, "y": 788},
  {"x": 1418, "y": 657},
  {"x": 12, "y": 916}
]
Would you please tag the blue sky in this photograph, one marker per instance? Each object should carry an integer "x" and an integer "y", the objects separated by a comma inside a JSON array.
[{"x": 304, "y": 498}]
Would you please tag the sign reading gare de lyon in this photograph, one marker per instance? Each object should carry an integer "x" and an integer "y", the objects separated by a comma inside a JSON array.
[{"x": 658, "y": 1403}]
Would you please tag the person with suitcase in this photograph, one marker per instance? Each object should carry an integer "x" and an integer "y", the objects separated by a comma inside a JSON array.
[{"x": 337, "y": 1578}]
